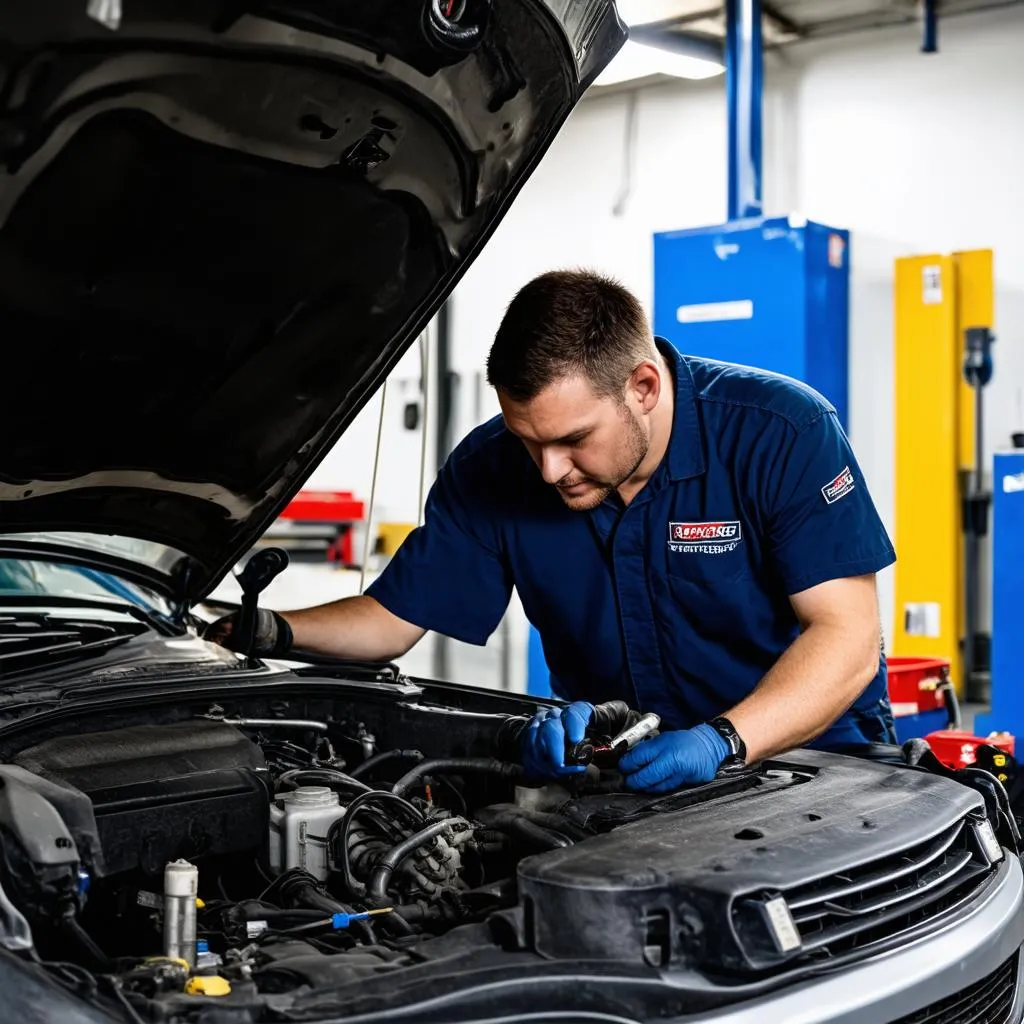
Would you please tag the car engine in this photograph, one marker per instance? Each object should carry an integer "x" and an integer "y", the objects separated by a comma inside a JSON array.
[{"x": 269, "y": 852}]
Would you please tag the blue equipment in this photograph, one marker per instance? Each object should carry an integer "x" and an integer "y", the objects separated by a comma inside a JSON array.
[
  {"x": 772, "y": 293},
  {"x": 1007, "y": 687}
]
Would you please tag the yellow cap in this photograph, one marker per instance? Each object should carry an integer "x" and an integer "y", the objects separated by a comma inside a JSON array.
[
  {"x": 200, "y": 905},
  {"x": 208, "y": 985}
]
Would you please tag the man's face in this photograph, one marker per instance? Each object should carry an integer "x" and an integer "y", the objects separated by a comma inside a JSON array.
[{"x": 584, "y": 445}]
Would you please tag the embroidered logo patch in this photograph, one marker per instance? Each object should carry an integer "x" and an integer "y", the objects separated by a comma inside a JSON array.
[
  {"x": 705, "y": 538},
  {"x": 838, "y": 488}
]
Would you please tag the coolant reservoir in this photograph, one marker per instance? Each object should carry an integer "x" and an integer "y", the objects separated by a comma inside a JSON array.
[{"x": 299, "y": 823}]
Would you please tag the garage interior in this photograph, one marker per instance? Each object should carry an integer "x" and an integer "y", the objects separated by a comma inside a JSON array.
[
  {"x": 204, "y": 832},
  {"x": 894, "y": 124}
]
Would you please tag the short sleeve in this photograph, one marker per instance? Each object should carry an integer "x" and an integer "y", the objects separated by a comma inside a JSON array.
[
  {"x": 448, "y": 575},
  {"x": 822, "y": 523}
]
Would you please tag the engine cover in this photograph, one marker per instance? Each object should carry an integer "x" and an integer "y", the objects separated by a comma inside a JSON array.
[
  {"x": 160, "y": 792},
  {"x": 685, "y": 885}
]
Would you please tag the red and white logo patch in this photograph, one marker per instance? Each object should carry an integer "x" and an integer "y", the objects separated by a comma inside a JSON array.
[
  {"x": 682, "y": 532},
  {"x": 839, "y": 487},
  {"x": 705, "y": 538}
]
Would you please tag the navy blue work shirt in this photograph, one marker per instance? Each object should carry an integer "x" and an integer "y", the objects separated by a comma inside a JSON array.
[{"x": 679, "y": 602}]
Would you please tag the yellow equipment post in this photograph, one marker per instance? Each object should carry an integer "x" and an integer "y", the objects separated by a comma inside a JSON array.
[{"x": 936, "y": 298}]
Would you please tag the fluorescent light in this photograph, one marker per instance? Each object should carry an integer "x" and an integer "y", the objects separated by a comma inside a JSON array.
[
  {"x": 637, "y": 60},
  {"x": 647, "y": 12}
]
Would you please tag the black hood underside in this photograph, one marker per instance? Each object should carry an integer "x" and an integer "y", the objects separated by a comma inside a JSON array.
[{"x": 220, "y": 229}]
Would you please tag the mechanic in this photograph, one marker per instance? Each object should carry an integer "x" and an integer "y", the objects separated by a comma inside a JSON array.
[{"x": 692, "y": 537}]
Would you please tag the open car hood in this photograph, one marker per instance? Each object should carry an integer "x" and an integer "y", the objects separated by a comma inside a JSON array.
[{"x": 222, "y": 224}]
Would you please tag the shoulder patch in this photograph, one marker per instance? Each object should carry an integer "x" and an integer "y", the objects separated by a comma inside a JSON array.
[{"x": 839, "y": 487}]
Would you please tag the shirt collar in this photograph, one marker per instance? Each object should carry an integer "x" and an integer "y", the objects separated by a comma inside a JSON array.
[{"x": 685, "y": 456}]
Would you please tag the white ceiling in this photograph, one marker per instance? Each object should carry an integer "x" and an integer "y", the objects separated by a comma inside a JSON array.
[{"x": 788, "y": 20}]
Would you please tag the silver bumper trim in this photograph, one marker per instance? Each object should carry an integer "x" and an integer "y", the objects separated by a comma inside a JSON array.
[{"x": 908, "y": 979}]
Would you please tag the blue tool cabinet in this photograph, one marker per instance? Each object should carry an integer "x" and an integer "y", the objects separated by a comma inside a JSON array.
[{"x": 772, "y": 293}]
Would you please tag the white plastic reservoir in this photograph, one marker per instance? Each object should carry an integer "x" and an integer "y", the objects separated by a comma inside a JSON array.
[{"x": 299, "y": 822}]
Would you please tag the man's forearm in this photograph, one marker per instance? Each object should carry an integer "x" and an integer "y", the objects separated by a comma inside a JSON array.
[
  {"x": 814, "y": 682},
  {"x": 355, "y": 628}
]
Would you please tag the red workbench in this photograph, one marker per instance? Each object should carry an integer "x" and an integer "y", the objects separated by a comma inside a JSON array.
[{"x": 318, "y": 524}]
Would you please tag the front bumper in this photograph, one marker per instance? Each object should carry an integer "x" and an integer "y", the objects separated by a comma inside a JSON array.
[{"x": 906, "y": 980}]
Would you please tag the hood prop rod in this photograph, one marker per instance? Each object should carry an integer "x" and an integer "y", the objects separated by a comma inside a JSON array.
[{"x": 258, "y": 574}]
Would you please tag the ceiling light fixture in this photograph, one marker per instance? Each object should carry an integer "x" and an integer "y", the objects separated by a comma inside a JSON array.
[
  {"x": 648, "y": 12},
  {"x": 641, "y": 60}
]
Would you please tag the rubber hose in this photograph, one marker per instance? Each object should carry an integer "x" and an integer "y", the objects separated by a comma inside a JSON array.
[
  {"x": 537, "y": 833},
  {"x": 279, "y": 915},
  {"x": 551, "y": 822},
  {"x": 396, "y": 922},
  {"x": 436, "y": 766},
  {"x": 386, "y": 755},
  {"x": 353, "y": 885},
  {"x": 519, "y": 824},
  {"x": 322, "y": 776},
  {"x": 492, "y": 836},
  {"x": 305, "y": 891},
  {"x": 412, "y": 913},
  {"x": 953, "y": 705},
  {"x": 378, "y": 887}
]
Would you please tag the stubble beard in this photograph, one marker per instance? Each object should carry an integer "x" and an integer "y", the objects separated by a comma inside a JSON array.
[{"x": 635, "y": 451}]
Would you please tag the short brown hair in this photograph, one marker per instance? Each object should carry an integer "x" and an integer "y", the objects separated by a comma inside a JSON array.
[{"x": 569, "y": 323}]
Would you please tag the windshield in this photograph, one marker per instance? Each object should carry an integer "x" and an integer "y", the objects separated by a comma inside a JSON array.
[
  {"x": 39, "y": 578},
  {"x": 145, "y": 552}
]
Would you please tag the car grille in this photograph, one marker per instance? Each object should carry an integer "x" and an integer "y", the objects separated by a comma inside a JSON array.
[
  {"x": 988, "y": 1001},
  {"x": 866, "y": 907},
  {"x": 886, "y": 897}
]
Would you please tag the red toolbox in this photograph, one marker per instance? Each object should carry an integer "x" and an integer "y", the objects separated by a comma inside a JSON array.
[
  {"x": 317, "y": 525},
  {"x": 922, "y": 696},
  {"x": 957, "y": 748}
]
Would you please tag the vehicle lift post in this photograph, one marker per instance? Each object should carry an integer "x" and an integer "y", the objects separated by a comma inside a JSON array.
[{"x": 977, "y": 372}]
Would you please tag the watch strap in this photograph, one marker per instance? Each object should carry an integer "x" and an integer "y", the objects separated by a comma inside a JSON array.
[{"x": 725, "y": 729}]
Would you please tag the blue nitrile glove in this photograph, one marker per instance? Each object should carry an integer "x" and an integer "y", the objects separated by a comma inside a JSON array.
[
  {"x": 674, "y": 759},
  {"x": 544, "y": 741}
]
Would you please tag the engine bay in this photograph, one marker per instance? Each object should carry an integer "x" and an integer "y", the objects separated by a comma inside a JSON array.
[
  {"x": 266, "y": 847},
  {"x": 299, "y": 852}
]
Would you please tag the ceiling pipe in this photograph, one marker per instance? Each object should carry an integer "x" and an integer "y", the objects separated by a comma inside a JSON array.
[
  {"x": 931, "y": 27},
  {"x": 744, "y": 77}
]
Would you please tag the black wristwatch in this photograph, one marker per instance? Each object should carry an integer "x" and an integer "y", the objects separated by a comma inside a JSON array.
[{"x": 737, "y": 756}]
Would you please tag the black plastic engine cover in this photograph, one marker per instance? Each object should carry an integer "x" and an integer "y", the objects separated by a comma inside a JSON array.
[
  {"x": 188, "y": 790},
  {"x": 661, "y": 890}
]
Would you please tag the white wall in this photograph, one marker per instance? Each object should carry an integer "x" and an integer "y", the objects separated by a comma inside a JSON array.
[
  {"x": 911, "y": 152},
  {"x": 349, "y": 465},
  {"x": 918, "y": 153}
]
